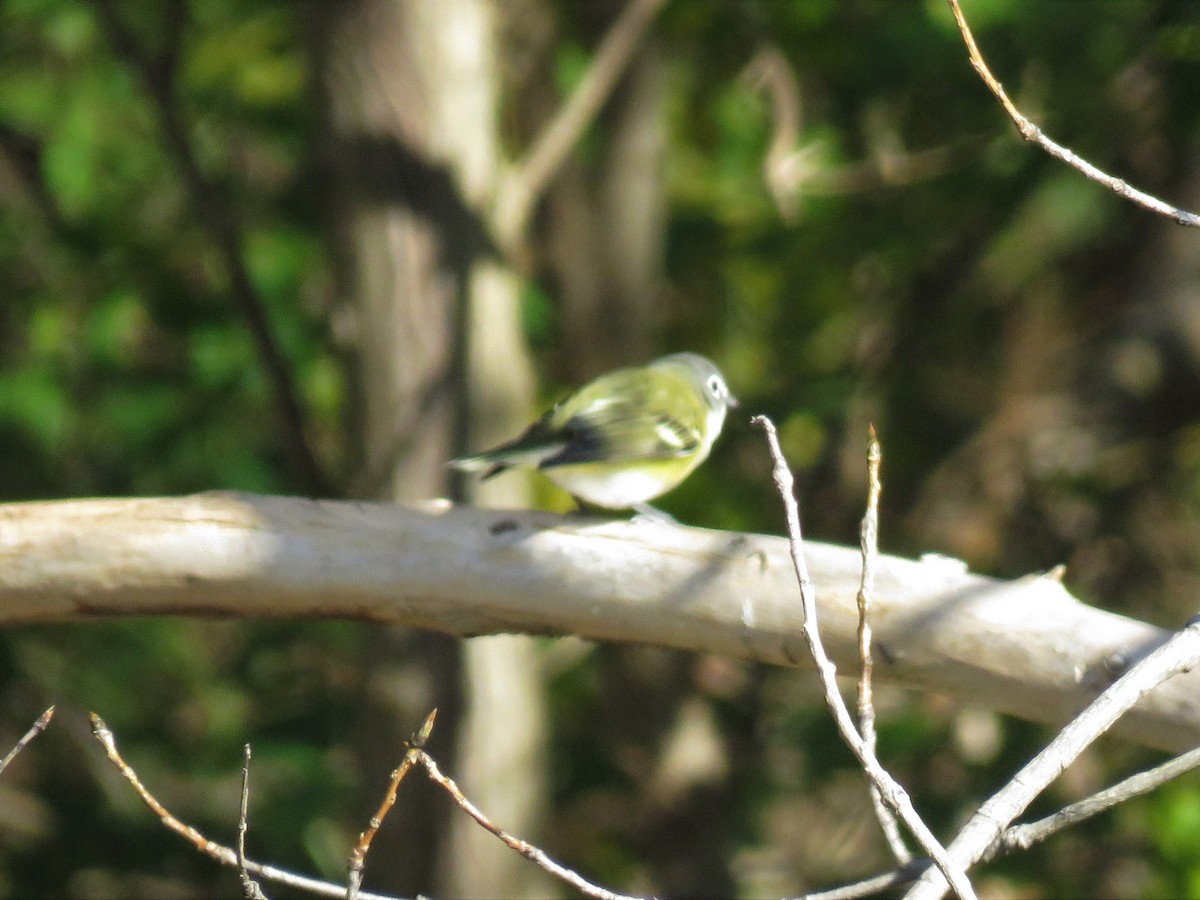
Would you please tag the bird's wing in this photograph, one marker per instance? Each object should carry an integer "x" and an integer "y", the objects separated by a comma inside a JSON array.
[{"x": 627, "y": 425}]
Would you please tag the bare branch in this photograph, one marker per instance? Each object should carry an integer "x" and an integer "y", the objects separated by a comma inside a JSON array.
[
  {"x": 1180, "y": 653},
  {"x": 521, "y": 189},
  {"x": 359, "y": 855},
  {"x": 1021, "y": 837},
  {"x": 869, "y": 542},
  {"x": 785, "y": 166},
  {"x": 251, "y": 889},
  {"x": 226, "y": 856},
  {"x": 889, "y": 789},
  {"x": 1031, "y": 132},
  {"x": 414, "y": 755},
  {"x": 888, "y": 169},
  {"x": 790, "y": 168},
  {"x": 34, "y": 730},
  {"x": 1024, "y": 836},
  {"x": 523, "y": 847},
  {"x": 876, "y": 884}
]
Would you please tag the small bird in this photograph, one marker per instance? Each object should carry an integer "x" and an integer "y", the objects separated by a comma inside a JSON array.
[{"x": 624, "y": 438}]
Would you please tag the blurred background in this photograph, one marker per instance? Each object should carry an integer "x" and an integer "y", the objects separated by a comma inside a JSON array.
[{"x": 300, "y": 248}]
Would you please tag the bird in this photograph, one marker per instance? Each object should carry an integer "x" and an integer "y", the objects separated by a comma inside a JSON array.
[{"x": 624, "y": 438}]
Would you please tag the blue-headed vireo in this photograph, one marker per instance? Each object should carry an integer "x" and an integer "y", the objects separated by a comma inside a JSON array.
[{"x": 626, "y": 437}]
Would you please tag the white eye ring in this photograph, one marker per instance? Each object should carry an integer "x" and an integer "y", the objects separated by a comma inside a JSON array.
[{"x": 714, "y": 385}]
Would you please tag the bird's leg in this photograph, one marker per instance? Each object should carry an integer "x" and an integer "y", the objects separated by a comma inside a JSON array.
[{"x": 647, "y": 513}]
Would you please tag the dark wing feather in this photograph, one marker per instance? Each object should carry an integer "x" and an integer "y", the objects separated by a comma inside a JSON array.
[{"x": 628, "y": 428}]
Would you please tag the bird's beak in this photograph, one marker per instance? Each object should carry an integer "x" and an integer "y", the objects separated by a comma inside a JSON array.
[{"x": 731, "y": 401}]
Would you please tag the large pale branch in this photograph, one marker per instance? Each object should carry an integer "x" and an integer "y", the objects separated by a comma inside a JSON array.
[{"x": 1024, "y": 647}]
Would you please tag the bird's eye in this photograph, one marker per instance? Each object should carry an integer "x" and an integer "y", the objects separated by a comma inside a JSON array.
[{"x": 714, "y": 386}]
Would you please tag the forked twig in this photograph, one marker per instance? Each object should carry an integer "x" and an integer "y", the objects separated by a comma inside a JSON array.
[
  {"x": 224, "y": 855},
  {"x": 1032, "y": 133},
  {"x": 358, "y": 856},
  {"x": 1180, "y": 652},
  {"x": 891, "y": 790},
  {"x": 416, "y": 755},
  {"x": 1023, "y": 836}
]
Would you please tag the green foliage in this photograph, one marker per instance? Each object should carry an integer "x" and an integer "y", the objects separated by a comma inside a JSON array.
[{"x": 1175, "y": 815}]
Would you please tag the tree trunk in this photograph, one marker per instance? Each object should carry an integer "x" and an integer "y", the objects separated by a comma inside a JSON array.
[{"x": 410, "y": 89}]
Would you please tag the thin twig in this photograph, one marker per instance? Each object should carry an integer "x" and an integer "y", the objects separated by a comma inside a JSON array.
[
  {"x": 876, "y": 884},
  {"x": 869, "y": 542},
  {"x": 34, "y": 730},
  {"x": 523, "y": 847},
  {"x": 894, "y": 169},
  {"x": 1180, "y": 652},
  {"x": 521, "y": 189},
  {"x": 199, "y": 841},
  {"x": 415, "y": 755},
  {"x": 789, "y": 168},
  {"x": 1023, "y": 836},
  {"x": 1031, "y": 132},
  {"x": 157, "y": 76},
  {"x": 251, "y": 889},
  {"x": 891, "y": 790},
  {"x": 224, "y": 855},
  {"x": 358, "y": 856}
]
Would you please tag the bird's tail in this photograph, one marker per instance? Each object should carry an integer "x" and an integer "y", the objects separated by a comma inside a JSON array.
[
  {"x": 529, "y": 450},
  {"x": 484, "y": 463},
  {"x": 470, "y": 463}
]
